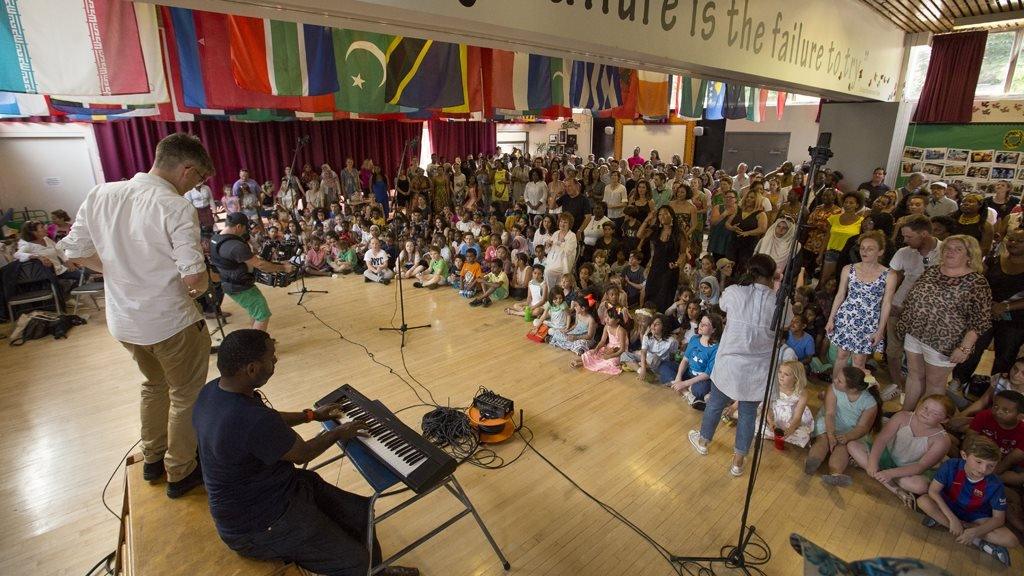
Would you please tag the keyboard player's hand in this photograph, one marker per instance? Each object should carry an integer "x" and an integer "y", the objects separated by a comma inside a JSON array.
[{"x": 350, "y": 430}]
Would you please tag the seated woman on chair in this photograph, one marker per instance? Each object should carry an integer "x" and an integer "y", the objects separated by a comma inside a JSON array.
[
  {"x": 34, "y": 244},
  {"x": 263, "y": 506}
]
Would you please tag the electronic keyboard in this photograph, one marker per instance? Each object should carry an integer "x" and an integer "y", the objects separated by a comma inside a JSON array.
[{"x": 419, "y": 464}]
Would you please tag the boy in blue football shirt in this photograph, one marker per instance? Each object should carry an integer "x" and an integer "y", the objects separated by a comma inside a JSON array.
[{"x": 969, "y": 499}]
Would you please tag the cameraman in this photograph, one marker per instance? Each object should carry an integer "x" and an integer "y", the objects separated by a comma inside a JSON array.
[{"x": 231, "y": 254}]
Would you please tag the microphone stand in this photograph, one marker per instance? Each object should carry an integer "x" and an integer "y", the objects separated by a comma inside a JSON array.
[
  {"x": 736, "y": 557},
  {"x": 302, "y": 291},
  {"x": 401, "y": 295}
]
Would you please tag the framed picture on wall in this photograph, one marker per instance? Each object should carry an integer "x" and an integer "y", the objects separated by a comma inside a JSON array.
[
  {"x": 563, "y": 135},
  {"x": 571, "y": 141},
  {"x": 552, "y": 138}
]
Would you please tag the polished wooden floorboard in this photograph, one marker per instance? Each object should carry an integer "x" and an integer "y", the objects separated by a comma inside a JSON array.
[{"x": 68, "y": 412}]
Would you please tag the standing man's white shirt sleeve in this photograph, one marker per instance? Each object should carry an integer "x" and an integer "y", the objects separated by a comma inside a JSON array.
[{"x": 147, "y": 237}]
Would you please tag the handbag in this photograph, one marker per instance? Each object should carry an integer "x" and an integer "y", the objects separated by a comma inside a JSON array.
[{"x": 538, "y": 334}]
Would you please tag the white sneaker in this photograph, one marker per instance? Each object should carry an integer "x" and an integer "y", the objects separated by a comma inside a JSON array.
[
  {"x": 695, "y": 442},
  {"x": 690, "y": 398},
  {"x": 890, "y": 392},
  {"x": 736, "y": 471}
]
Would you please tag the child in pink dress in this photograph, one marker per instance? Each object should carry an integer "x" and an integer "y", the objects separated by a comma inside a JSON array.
[{"x": 605, "y": 357}]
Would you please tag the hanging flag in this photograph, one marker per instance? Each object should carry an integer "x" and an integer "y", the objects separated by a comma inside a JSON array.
[
  {"x": 201, "y": 40},
  {"x": 16, "y": 105},
  {"x": 756, "y": 99},
  {"x": 79, "y": 47},
  {"x": 361, "y": 61},
  {"x": 735, "y": 102},
  {"x": 629, "y": 88},
  {"x": 561, "y": 76},
  {"x": 595, "y": 86},
  {"x": 520, "y": 81},
  {"x": 780, "y": 104},
  {"x": 693, "y": 92},
  {"x": 426, "y": 74},
  {"x": 653, "y": 93},
  {"x": 149, "y": 38},
  {"x": 715, "y": 101},
  {"x": 282, "y": 58}
]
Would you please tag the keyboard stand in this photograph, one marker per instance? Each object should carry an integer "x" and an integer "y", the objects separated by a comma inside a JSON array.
[{"x": 380, "y": 478}]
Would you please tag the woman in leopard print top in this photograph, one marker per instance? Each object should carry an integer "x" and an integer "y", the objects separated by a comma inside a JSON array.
[{"x": 945, "y": 311}]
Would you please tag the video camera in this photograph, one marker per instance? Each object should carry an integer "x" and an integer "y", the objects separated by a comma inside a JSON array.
[{"x": 279, "y": 250}]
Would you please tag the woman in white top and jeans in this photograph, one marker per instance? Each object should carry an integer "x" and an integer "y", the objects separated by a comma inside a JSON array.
[{"x": 744, "y": 355}]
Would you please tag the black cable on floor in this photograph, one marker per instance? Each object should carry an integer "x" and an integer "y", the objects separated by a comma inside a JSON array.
[{"x": 103, "y": 495}]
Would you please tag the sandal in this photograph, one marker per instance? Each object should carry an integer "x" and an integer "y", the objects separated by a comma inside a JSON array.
[
  {"x": 575, "y": 363},
  {"x": 486, "y": 302},
  {"x": 510, "y": 311},
  {"x": 909, "y": 499}
]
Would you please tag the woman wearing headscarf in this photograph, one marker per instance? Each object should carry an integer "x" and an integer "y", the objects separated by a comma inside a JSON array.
[
  {"x": 709, "y": 292},
  {"x": 777, "y": 242}
]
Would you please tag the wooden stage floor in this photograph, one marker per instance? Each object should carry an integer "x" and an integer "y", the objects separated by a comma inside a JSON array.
[{"x": 68, "y": 411}]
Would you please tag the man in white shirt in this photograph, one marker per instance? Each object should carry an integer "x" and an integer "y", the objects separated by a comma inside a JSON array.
[
  {"x": 144, "y": 237},
  {"x": 741, "y": 181},
  {"x": 921, "y": 251}
]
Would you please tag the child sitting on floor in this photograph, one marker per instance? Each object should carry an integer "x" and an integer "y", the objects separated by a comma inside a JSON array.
[
  {"x": 1012, "y": 380},
  {"x": 852, "y": 410},
  {"x": 376, "y": 261},
  {"x": 605, "y": 357},
  {"x": 909, "y": 445},
  {"x": 581, "y": 333},
  {"x": 800, "y": 341},
  {"x": 1001, "y": 424},
  {"x": 539, "y": 254},
  {"x": 586, "y": 282},
  {"x": 968, "y": 499},
  {"x": 555, "y": 314},
  {"x": 436, "y": 273},
  {"x": 520, "y": 278},
  {"x": 315, "y": 258},
  {"x": 343, "y": 260},
  {"x": 656, "y": 347},
  {"x": 634, "y": 280},
  {"x": 568, "y": 285},
  {"x": 470, "y": 275},
  {"x": 494, "y": 285},
  {"x": 601, "y": 267},
  {"x": 537, "y": 296},
  {"x": 692, "y": 376},
  {"x": 789, "y": 412}
]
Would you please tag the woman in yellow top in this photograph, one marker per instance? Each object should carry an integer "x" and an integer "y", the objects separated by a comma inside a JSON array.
[
  {"x": 500, "y": 185},
  {"x": 842, "y": 227}
]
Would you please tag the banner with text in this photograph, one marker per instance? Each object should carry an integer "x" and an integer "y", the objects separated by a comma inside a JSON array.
[{"x": 826, "y": 47}]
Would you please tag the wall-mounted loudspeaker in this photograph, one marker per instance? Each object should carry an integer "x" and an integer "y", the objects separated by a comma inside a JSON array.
[
  {"x": 609, "y": 130},
  {"x": 698, "y": 131}
]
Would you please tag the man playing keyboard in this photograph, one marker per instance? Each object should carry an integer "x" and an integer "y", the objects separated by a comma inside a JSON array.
[{"x": 263, "y": 506}]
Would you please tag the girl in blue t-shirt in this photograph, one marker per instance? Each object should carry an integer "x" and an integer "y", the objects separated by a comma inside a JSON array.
[{"x": 693, "y": 377}]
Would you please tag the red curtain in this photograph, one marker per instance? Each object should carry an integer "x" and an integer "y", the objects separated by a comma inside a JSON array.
[
  {"x": 953, "y": 70},
  {"x": 451, "y": 139},
  {"x": 265, "y": 148}
]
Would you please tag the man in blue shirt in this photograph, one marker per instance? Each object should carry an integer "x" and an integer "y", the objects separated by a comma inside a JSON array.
[{"x": 263, "y": 506}]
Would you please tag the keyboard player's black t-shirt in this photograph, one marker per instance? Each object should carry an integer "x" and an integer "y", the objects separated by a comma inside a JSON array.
[{"x": 241, "y": 442}]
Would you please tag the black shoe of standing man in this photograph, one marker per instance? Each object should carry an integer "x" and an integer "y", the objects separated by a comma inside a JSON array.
[{"x": 183, "y": 486}]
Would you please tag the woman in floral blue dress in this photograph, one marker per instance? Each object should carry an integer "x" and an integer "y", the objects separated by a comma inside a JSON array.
[{"x": 861, "y": 307}]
